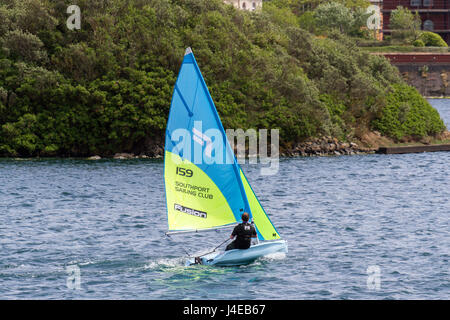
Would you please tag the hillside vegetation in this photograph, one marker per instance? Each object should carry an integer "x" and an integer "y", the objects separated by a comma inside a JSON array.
[{"x": 107, "y": 87}]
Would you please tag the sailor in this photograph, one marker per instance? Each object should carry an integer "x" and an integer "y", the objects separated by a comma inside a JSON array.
[{"x": 244, "y": 233}]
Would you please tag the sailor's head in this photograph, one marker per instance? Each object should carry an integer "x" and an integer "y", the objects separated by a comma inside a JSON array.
[{"x": 245, "y": 216}]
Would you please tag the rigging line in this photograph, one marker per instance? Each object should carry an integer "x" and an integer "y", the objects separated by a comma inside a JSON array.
[
  {"x": 214, "y": 248},
  {"x": 187, "y": 252}
]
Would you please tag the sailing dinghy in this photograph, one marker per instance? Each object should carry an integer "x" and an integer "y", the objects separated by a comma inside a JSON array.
[{"x": 205, "y": 187}]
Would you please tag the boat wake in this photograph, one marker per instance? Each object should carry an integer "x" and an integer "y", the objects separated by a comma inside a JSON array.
[
  {"x": 274, "y": 256},
  {"x": 165, "y": 263}
]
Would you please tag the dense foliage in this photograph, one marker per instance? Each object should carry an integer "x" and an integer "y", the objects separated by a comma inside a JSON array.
[
  {"x": 107, "y": 87},
  {"x": 405, "y": 25},
  {"x": 407, "y": 114}
]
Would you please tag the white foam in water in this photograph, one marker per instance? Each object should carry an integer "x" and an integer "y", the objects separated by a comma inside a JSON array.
[
  {"x": 175, "y": 262},
  {"x": 167, "y": 263},
  {"x": 275, "y": 256}
]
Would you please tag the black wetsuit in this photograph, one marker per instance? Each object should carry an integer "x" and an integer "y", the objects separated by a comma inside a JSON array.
[{"x": 243, "y": 233}]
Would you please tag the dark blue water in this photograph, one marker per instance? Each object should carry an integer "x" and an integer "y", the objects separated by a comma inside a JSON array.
[{"x": 340, "y": 215}]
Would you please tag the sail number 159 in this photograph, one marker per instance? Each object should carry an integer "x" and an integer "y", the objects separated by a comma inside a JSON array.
[{"x": 184, "y": 172}]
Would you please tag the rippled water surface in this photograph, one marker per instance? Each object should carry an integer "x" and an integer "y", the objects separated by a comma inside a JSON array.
[{"x": 340, "y": 215}]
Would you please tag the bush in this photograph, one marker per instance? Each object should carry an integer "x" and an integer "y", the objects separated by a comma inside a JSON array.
[
  {"x": 418, "y": 43},
  {"x": 335, "y": 15},
  {"x": 431, "y": 39},
  {"x": 408, "y": 114},
  {"x": 24, "y": 46}
]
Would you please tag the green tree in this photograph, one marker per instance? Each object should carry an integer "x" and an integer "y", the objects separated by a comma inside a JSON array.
[
  {"x": 335, "y": 15},
  {"x": 408, "y": 114},
  {"x": 404, "y": 24},
  {"x": 24, "y": 46}
]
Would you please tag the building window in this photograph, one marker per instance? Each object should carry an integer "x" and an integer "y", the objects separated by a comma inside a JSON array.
[
  {"x": 244, "y": 5},
  {"x": 427, "y": 3},
  {"x": 428, "y": 25},
  {"x": 254, "y": 5},
  {"x": 416, "y": 3}
]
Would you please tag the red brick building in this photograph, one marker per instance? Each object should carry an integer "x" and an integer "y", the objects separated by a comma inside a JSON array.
[{"x": 435, "y": 14}]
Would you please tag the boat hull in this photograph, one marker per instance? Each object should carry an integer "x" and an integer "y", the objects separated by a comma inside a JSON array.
[{"x": 242, "y": 256}]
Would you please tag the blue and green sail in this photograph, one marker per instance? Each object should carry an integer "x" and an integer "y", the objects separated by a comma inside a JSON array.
[{"x": 205, "y": 186}]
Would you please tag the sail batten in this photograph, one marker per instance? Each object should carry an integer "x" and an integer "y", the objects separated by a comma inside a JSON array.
[{"x": 190, "y": 113}]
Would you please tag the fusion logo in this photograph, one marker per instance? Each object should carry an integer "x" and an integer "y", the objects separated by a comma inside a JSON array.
[{"x": 190, "y": 211}]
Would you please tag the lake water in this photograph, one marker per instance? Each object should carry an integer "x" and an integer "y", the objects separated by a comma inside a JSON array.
[{"x": 358, "y": 227}]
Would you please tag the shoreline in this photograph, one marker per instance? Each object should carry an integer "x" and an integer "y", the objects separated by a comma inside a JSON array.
[
  {"x": 437, "y": 97},
  {"x": 324, "y": 146},
  {"x": 407, "y": 149}
]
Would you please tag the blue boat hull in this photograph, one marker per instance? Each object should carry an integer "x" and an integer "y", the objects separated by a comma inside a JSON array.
[{"x": 241, "y": 257}]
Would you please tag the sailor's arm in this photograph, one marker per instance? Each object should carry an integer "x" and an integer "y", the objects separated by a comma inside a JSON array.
[{"x": 234, "y": 233}]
